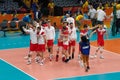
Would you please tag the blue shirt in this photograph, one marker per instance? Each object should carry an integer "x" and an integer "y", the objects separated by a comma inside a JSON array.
[{"x": 26, "y": 18}]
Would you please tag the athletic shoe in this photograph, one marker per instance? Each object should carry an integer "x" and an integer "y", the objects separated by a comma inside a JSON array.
[
  {"x": 101, "y": 57},
  {"x": 86, "y": 70},
  {"x": 92, "y": 57},
  {"x": 42, "y": 62},
  {"x": 37, "y": 59},
  {"x": 81, "y": 63},
  {"x": 95, "y": 56},
  {"x": 26, "y": 57},
  {"x": 66, "y": 60},
  {"x": 28, "y": 62},
  {"x": 88, "y": 67},
  {"x": 50, "y": 57},
  {"x": 69, "y": 57}
]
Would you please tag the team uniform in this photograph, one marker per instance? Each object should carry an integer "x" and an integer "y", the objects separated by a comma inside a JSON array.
[
  {"x": 60, "y": 42},
  {"x": 84, "y": 33},
  {"x": 41, "y": 41},
  {"x": 50, "y": 34},
  {"x": 71, "y": 20},
  {"x": 65, "y": 42},
  {"x": 72, "y": 37},
  {"x": 41, "y": 45},
  {"x": 33, "y": 42},
  {"x": 84, "y": 48},
  {"x": 100, "y": 38},
  {"x": 33, "y": 39}
]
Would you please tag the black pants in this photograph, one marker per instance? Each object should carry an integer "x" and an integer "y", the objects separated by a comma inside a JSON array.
[
  {"x": 117, "y": 25},
  {"x": 93, "y": 22}
]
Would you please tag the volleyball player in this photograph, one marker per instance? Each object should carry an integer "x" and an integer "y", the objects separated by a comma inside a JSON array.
[
  {"x": 65, "y": 34},
  {"x": 100, "y": 39},
  {"x": 72, "y": 42},
  {"x": 33, "y": 41},
  {"x": 50, "y": 35},
  {"x": 41, "y": 44},
  {"x": 84, "y": 49},
  {"x": 60, "y": 40}
]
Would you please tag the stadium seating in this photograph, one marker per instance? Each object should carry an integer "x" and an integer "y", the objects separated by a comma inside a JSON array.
[
  {"x": 66, "y": 3},
  {"x": 8, "y": 5}
]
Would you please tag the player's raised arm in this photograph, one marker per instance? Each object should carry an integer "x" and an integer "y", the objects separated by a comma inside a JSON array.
[{"x": 92, "y": 33}]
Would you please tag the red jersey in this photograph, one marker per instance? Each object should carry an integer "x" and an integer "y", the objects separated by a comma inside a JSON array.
[{"x": 100, "y": 36}]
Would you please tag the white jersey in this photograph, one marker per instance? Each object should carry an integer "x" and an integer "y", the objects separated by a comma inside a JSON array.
[
  {"x": 33, "y": 35},
  {"x": 65, "y": 42},
  {"x": 92, "y": 13},
  {"x": 118, "y": 14},
  {"x": 50, "y": 33},
  {"x": 41, "y": 35},
  {"x": 72, "y": 34},
  {"x": 71, "y": 20},
  {"x": 100, "y": 15}
]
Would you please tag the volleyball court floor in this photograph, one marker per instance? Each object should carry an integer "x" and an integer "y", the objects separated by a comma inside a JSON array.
[{"x": 13, "y": 65}]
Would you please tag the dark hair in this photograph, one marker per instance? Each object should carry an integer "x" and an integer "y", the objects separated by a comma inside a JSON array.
[
  {"x": 71, "y": 23},
  {"x": 30, "y": 16},
  {"x": 64, "y": 28},
  {"x": 39, "y": 28},
  {"x": 84, "y": 39},
  {"x": 85, "y": 26}
]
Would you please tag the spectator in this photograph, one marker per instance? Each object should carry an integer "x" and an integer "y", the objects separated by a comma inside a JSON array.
[
  {"x": 79, "y": 11},
  {"x": 101, "y": 15},
  {"x": 27, "y": 18},
  {"x": 69, "y": 11},
  {"x": 34, "y": 8},
  {"x": 51, "y": 6},
  {"x": 38, "y": 14},
  {"x": 92, "y": 14},
  {"x": 14, "y": 18}
]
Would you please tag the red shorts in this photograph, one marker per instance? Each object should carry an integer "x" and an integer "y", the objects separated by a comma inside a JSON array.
[
  {"x": 65, "y": 47},
  {"x": 100, "y": 42},
  {"x": 49, "y": 43},
  {"x": 72, "y": 43},
  {"x": 60, "y": 43},
  {"x": 33, "y": 47},
  {"x": 41, "y": 47}
]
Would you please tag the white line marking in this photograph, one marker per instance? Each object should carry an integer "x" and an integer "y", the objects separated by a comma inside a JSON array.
[
  {"x": 18, "y": 68},
  {"x": 88, "y": 75}
]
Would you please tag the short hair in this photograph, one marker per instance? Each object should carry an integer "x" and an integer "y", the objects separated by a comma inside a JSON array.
[
  {"x": 84, "y": 39},
  {"x": 85, "y": 26}
]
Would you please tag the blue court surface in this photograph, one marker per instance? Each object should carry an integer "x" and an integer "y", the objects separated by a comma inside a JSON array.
[
  {"x": 106, "y": 76},
  {"x": 15, "y": 40},
  {"x": 9, "y": 72}
]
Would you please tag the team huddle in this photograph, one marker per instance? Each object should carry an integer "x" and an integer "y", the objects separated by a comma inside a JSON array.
[{"x": 42, "y": 38}]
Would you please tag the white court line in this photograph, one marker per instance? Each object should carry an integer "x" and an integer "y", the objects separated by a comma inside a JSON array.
[
  {"x": 18, "y": 69},
  {"x": 93, "y": 74},
  {"x": 89, "y": 75},
  {"x": 15, "y": 48},
  {"x": 108, "y": 51}
]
